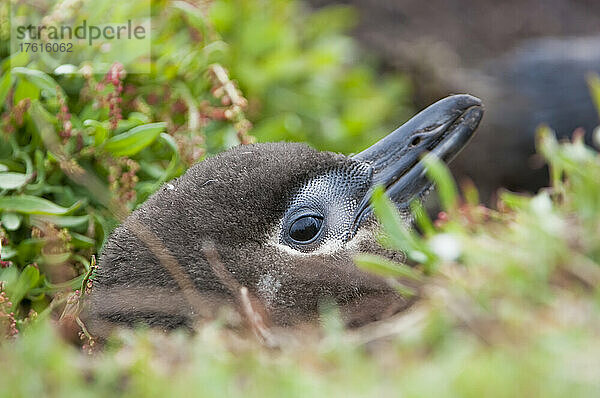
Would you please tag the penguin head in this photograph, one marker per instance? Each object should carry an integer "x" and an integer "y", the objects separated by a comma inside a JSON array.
[
  {"x": 331, "y": 207},
  {"x": 285, "y": 221}
]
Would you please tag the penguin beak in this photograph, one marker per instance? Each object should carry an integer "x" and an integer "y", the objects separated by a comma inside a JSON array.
[{"x": 443, "y": 129}]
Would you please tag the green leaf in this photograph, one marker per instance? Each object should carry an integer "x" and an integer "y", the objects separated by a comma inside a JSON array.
[
  {"x": 5, "y": 85},
  {"x": 139, "y": 117},
  {"x": 9, "y": 276},
  {"x": 127, "y": 124},
  {"x": 11, "y": 221},
  {"x": 27, "y": 280},
  {"x": 29, "y": 249},
  {"x": 547, "y": 144},
  {"x": 37, "y": 78},
  {"x": 470, "y": 193},
  {"x": 40, "y": 171},
  {"x": 438, "y": 172},
  {"x": 81, "y": 241},
  {"x": 422, "y": 218},
  {"x": 401, "y": 288},
  {"x": 134, "y": 140},
  {"x": 7, "y": 253},
  {"x": 594, "y": 84},
  {"x": 20, "y": 58},
  {"x": 399, "y": 236},
  {"x": 25, "y": 89},
  {"x": 170, "y": 141},
  {"x": 101, "y": 131},
  {"x": 514, "y": 201},
  {"x": 384, "y": 267},
  {"x": 45, "y": 123},
  {"x": 56, "y": 258},
  {"x": 62, "y": 221},
  {"x": 10, "y": 180},
  {"x": 33, "y": 205},
  {"x": 193, "y": 13}
]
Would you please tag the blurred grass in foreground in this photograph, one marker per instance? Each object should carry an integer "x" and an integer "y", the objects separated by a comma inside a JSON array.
[{"x": 509, "y": 306}]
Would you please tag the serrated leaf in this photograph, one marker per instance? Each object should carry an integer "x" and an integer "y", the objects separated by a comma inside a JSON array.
[
  {"x": 134, "y": 140},
  {"x": 27, "y": 204}
]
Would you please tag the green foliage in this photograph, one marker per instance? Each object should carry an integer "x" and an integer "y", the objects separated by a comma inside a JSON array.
[
  {"x": 301, "y": 75},
  {"x": 524, "y": 278}
]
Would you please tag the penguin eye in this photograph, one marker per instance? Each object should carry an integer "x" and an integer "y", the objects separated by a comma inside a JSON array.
[{"x": 306, "y": 228}]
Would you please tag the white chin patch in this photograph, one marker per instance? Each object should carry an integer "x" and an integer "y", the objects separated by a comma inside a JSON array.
[{"x": 268, "y": 285}]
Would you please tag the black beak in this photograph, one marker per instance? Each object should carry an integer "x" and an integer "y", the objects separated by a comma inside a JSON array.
[{"x": 443, "y": 128}]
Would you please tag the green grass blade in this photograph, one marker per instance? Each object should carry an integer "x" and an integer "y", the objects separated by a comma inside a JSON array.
[
  {"x": 385, "y": 267},
  {"x": 134, "y": 140},
  {"x": 34, "y": 205},
  {"x": 438, "y": 172}
]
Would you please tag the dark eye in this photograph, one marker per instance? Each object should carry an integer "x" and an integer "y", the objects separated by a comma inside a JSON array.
[{"x": 305, "y": 228}]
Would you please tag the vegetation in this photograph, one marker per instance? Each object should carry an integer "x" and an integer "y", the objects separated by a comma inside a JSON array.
[{"x": 509, "y": 302}]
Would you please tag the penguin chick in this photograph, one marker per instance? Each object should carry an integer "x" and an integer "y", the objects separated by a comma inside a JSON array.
[{"x": 276, "y": 224}]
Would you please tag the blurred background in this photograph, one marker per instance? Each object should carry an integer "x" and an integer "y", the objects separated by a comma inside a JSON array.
[{"x": 528, "y": 60}]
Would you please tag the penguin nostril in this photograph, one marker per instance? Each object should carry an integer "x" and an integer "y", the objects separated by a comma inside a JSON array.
[{"x": 415, "y": 141}]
